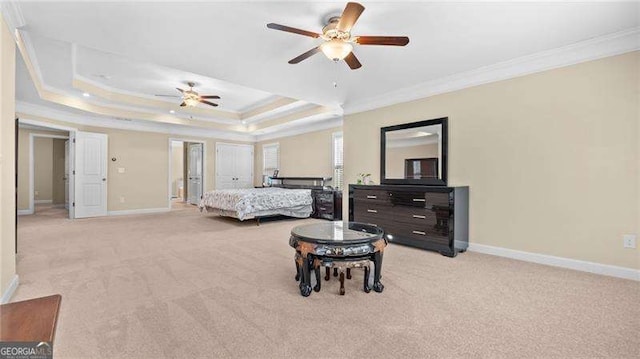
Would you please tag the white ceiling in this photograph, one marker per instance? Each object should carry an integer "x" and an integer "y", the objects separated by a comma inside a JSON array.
[
  {"x": 147, "y": 48},
  {"x": 229, "y": 41}
]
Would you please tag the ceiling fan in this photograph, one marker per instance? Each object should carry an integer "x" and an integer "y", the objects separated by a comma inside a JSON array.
[
  {"x": 191, "y": 98},
  {"x": 338, "y": 41}
]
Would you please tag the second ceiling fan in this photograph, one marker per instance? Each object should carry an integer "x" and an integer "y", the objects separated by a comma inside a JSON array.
[
  {"x": 339, "y": 42},
  {"x": 191, "y": 98}
]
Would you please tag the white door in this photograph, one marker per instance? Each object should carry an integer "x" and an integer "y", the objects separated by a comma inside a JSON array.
[
  {"x": 244, "y": 166},
  {"x": 225, "y": 169},
  {"x": 195, "y": 174},
  {"x": 234, "y": 166},
  {"x": 66, "y": 174},
  {"x": 90, "y": 174}
]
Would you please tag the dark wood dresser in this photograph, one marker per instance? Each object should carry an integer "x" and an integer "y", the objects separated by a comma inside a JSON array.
[{"x": 433, "y": 218}]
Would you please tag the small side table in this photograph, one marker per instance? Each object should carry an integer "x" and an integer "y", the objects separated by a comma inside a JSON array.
[{"x": 338, "y": 244}]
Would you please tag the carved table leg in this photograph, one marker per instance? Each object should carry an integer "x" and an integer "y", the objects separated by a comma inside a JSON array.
[
  {"x": 367, "y": 289},
  {"x": 316, "y": 268},
  {"x": 341, "y": 283},
  {"x": 348, "y": 273},
  {"x": 328, "y": 274},
  {"x": 305, "y": 283},
  {"x": 377, "y": 260},
  {"x": 335, "y": 272},
  {"x": 297, "y": 269}
]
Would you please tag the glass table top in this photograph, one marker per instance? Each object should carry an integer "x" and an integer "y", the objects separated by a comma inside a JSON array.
[{"x": 338, "y": 232}]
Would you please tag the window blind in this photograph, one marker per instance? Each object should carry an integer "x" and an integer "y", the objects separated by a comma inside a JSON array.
[
  {"x": 338, "y": 163},
  {"x": 270, "y": 158}
]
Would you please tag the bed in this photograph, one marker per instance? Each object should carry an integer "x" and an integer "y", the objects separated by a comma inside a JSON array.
[{"x": 250, "y": 203}]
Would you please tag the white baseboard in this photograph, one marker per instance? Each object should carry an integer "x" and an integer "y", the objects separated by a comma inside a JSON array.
[
  {"x": 575, "y": 264},
  {"x": 6, "y": 296},
  {"x": 43, "y": 201},
  {"x": 127, "y": 212},
  {"x": 24, "y": 212}
]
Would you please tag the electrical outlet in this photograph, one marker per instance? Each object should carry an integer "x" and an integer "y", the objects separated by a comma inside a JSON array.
[
  {"x": 121, "y": 199},
  {"x": 120, "y": 169},
  {"x": 629, "y": 241}
]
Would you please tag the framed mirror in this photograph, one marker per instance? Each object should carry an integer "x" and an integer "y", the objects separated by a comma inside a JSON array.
[{"x": 414, "y": 153}]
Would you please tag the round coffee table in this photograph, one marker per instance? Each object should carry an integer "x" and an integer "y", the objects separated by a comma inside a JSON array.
[{"x": 340, "y": 242}]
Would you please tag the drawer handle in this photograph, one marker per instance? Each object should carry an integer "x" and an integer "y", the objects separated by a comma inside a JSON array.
[
  {"x": 372, "y": 211},
  {"x": 323, "y": 209},
  {"x": 419, "y": 216},
  {"x": 372, "y": 197},
  {"x": 419, "y": 200},
  {"x": 419, "y": 232}
]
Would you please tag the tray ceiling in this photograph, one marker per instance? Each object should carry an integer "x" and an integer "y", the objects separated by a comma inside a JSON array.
[{"x": 145, "y": 48}]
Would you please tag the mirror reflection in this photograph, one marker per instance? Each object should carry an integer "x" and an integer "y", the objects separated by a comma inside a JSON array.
[{"x": 414, "y": 153}]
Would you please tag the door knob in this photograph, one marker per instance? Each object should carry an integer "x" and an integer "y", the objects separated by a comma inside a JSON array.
[{"x": 104, "y": 179}]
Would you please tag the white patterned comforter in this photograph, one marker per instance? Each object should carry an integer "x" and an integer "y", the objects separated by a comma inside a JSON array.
[{"x": 247, "y": 202}]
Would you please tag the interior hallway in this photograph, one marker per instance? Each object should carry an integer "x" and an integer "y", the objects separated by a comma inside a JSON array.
[{"x": 182, "y": 285}]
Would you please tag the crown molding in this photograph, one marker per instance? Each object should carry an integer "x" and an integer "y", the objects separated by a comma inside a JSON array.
[
  {"x": 301, "y": 129},
  {"x": 12, "y": 14},
  {"x": 28, "y": 111},
  {"x": 25, "y": 109},
  {"x": 596, "y": 48}
]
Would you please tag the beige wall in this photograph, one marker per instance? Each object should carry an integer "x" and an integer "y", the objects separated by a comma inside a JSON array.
[
  {"x": 58, "y": 182},
  {"x": 309, "y": 155},
  {"x": 43, "y": 169},
  {"x": 396, "y": 156},
  {"x": 7, "y": 155},
  {"x": 551, "y": 159},
  {"x": 177, "y": 166},
  {"x": 23, "y": 163},
  {"x": 145, "y": 158}
]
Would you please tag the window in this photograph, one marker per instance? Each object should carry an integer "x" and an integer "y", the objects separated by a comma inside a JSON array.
[
  {"x": 270, "y": 158},
  {"x": 338, "y": 164}
]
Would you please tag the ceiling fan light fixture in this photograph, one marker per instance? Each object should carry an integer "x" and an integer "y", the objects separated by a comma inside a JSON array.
[
  {"x": 191, "y": 101},
  {"x": 336, "y": 49}
]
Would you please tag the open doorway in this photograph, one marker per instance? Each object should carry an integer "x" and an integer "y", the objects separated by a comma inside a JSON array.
[
  {"x": 43, "y": 170},
  {"x": 186, "y": 172}
]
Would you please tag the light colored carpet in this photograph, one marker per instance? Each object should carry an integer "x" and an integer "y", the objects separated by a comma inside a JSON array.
[{"x": 184, "y": 285}]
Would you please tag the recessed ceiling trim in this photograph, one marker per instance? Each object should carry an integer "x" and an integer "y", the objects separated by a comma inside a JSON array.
[
  {"x": 294, "y": 117},
  {"x": 596, "y": 48},
  {"x": 113, "y": 95},
  {"x": 276, "y": 108},
  {"x": 44, "y": 114},
  {"x": 299, "y": 129}
]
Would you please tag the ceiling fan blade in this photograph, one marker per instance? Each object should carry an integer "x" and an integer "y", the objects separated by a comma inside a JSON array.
[
  {"x": 352, "y": 61},
  {"x": 167, "y": 95},
  {"x": 305, "y": 55},
  {"x": 210, "y": 96},
  {"x": 292, "y": 30},
  {"x": 183, "y": 104},
  {"x": 181, "y": 90},
  {"x": 208, "y": 103},
  {"x": 383, "y": 40},
  {"x": 349, "y": 16}
]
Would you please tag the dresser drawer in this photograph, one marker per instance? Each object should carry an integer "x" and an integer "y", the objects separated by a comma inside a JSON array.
[
  {"x": 419, "y": 199},
  {"x": 408, "y": 214},
  {"x": 427, "y": 233},
  {"x": 371, "y": 209},
  {"x": 371, "y": 196},
  {"x": 324, "y": 197},
  {"x": 379, "y": 221},
  {"x": 324, "y": 207}
]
